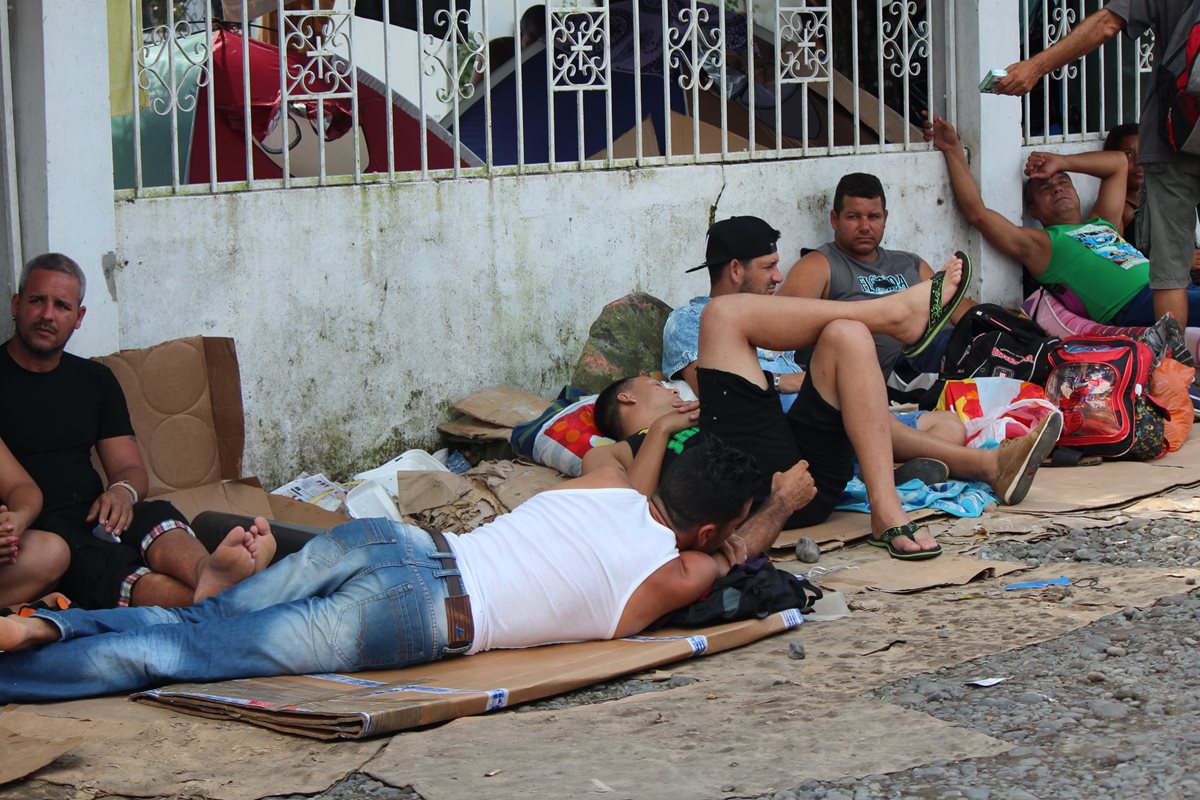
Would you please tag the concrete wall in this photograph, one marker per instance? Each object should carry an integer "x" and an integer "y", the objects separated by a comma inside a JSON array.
[
  {"x": 63, "y": 156},
  {"x": 360, "y": 313}
]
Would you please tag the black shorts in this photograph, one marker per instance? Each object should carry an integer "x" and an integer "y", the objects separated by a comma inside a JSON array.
[
  {"x": 751, "y": 419},
  {"x": 102, "y": 573}
]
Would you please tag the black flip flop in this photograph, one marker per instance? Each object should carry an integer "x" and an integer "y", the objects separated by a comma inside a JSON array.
[
  {"x": 908, "y": 531},
  {"x": 940, "y": 314}
]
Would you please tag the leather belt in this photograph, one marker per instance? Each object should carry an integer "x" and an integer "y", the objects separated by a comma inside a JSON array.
[{"x": 460, "y": 625}]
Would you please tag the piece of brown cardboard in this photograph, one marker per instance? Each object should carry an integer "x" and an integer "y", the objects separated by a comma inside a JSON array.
[
  {"x": 523, "y": 482},
  {"x": 25, "y": 755},
  {"x": 134, "y": 750},
  {"x": 185, "y": 404},
  {"x": 374, "y": 703},
  {"x": 1111, "y": 484},
  {"x": 754, "y": 704},
  {"x": 679, "y": 745},
  {"x": 502, "y": 405},
  {"x": 625, "y": 145},
  {"x": 231, "y": 496},
  {"x": 842, "y": 526},
  {"x": 685, "y": 130},
  {"x": 287, "y": 509},
  {"x": 474, "y": 430},
  {"x": 421, "y": 490},
  {"x": 902, "y": 577}
]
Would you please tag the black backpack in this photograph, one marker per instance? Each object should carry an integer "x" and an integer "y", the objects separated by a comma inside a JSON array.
[
  {"x": 755, "y": 589},
  {"x": 990, "y": 341}
]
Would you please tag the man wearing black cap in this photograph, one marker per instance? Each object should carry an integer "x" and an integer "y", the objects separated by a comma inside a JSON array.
[{"x": 741, "y": 257}]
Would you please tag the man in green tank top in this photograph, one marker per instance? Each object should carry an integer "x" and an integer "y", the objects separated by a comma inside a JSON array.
[{"x": 1085, "y": 254}]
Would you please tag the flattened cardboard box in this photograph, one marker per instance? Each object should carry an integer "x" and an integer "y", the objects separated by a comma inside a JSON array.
[
  {"x": 185, "y": 403},
  {"x": 374, "y": 703},
  {"x": 470, "y": 429},
  {"x": 502, "y": 406}
]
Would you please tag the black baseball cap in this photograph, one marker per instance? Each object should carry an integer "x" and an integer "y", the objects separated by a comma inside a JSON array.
[{"x": 742, "y": 238}]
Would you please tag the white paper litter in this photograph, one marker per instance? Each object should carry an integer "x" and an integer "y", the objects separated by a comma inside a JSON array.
[
  {"x": 985, "y": 682},
  {"x": 315, "y": 489}
]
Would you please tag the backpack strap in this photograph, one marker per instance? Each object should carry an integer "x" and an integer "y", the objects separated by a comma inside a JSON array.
[{"x": 1179, "y": 38}]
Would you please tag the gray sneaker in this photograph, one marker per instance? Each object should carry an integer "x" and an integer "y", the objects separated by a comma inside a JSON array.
[{"x": 926, "y": 470}]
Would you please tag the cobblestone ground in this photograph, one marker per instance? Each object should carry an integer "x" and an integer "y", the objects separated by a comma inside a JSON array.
[{"x": 1107, "y": 711}]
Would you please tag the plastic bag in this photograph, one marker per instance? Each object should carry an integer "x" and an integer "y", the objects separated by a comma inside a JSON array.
[
  {"x": 1169, "y": 385},
  {"x": 996, "y": 408}
]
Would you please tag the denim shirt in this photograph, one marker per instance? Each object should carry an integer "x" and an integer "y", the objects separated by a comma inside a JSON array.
[{"x": 681, "y": 346}]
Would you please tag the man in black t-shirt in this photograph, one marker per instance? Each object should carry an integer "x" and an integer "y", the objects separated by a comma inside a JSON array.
[
  {"x": 54, "y": 409},
  {"x": 841, "y": 409}
]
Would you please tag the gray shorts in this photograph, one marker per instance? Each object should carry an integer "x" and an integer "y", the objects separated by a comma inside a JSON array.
[{"x": 1166, "y": 221}]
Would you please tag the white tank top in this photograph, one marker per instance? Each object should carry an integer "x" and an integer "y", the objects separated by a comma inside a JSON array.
[{"x": 559, "y": 568}]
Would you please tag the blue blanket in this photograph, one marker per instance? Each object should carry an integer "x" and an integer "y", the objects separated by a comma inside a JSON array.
[{"x": 960, "y": 498}]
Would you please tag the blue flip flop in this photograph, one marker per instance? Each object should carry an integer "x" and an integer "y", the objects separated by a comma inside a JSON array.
[{"x": 939, "y": 314}]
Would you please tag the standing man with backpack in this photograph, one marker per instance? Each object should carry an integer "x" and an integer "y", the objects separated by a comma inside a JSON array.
[{"x": 1172, "y": 179}]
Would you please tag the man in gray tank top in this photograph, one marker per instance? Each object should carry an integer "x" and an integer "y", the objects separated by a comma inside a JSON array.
[{"x": 854, "y": 267}]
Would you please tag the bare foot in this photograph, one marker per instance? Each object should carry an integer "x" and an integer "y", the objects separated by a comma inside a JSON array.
[
  {"x": 234, "y": 560},
  {"x": 266, "y": 544},
  {"x": 20, "y": 633},
  {"x": 911, "y": 326}
]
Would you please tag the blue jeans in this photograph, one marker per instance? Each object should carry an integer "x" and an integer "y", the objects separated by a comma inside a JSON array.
[
  {"x": 1140, "y": 308},
  {"x": 366, "y": 595}
]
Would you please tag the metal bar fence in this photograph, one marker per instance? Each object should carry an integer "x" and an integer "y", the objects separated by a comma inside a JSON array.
[
  {"x": 457, "y": 89},
  {"x": 1082, "y": 100}
]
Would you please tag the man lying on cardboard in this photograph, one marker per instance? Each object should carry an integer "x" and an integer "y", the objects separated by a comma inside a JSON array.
[{"x": 591, "y": 558}]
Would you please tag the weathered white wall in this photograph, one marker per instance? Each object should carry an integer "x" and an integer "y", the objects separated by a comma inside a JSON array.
[
  {"x": 361, "y": 312},
  {"x": 63, "y": 157}
]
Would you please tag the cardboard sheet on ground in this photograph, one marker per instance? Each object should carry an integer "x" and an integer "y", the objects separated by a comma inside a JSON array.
[
  {"x": 900, "y": 577},
  {"x": 25, "y": 755},
  {"x": 133, "y": 750},
  {"x": 841, "y": 527},
  {"x": 502, "y": 405},
  {"x": 1111, "y": 484},
  {"x": 684, "y": 744},
  {"x": 993, "y": 526},
  {"x": 937, "y": 628},
  {"x": 373, "y": 703}
]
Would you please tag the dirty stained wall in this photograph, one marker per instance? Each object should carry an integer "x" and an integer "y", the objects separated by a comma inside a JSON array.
[{"x": 361, "y": 312}]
